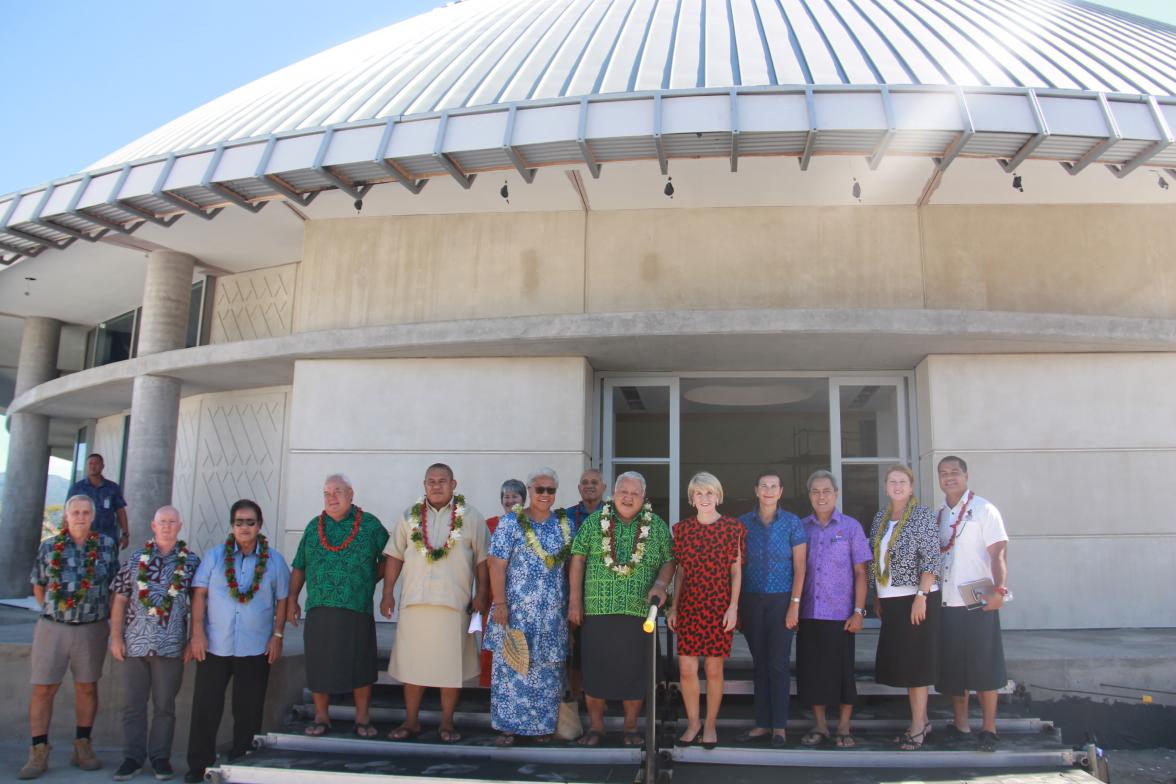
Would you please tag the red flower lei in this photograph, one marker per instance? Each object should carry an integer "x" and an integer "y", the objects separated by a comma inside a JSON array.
[
  {"x": 954, "y": 526},
  {"x": 346, "y": 542},
  {"x": 61, "y": 600},
  {"x": 258, "y": 571}
]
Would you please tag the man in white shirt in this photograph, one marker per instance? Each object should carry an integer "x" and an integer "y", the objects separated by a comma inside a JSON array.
[{"x": 974, "y": 544}]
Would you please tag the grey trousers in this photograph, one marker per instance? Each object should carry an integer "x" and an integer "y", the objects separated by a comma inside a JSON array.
[{"x": 157, "y": 678}]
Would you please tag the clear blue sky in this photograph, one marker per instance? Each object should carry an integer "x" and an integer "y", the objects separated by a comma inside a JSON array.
[{"x": 84, "y": 78}]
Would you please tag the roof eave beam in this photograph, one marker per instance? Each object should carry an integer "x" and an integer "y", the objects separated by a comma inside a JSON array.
[
  {"x": 887, "y": 137},
  {"x": 1153, "y": 150},
  {"x": 73, "y": 211},
  {"x": 582, "y": 140},
  {"x": 183, "y": 204},
  {"x": 391, "y": 169},
  {"x": 4, "y": 246},
  {"x": 1033, "y": 142},
  {"x": 734, "y": 131},
  {"x": 659, "y": 145},
  {"x": 463, "y": 179},
  {"x": 275, "y": 183},
  {"x": 224, "y": 191},
  {"x": 516, "y": 158},
  {"x": 119, "y": 204},
  {"x": 37, "y": 220},
  {"x": 1096, "y": 152},
  {"x": 955, "y": 148},
  {"x": 340, "y": 183},
  {"x": 810, "y": 141},
  {"x": 40, "y": 242}
]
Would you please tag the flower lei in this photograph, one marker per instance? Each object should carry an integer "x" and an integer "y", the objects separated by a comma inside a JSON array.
[
  {"x": 609, "y": 545},
  {"x": 565, "y": 529},
  {"x": 322, "y": 531},
  {"x": 419, "y": 529},
  {"x": 258, "y": 571},
  {"x": 61, "y": 599},
  {"x": 162, "y": 611},
  {"x": 954, "y": 526},
  {"x": 884, "y": 564}
]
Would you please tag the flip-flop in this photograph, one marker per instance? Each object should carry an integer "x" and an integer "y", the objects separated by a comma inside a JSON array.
[
  {"x": 365, "y": 730},
  {"x": 590, "y": 738},
  {"x": 317, "y": 729},
  {"x": 504, "y": 740},
  {"x": 404, "y": 733},
  {"x": 845, "y": 741},
  {"x": 814, "y": 738},
  {"x": 449, "y": 735}
]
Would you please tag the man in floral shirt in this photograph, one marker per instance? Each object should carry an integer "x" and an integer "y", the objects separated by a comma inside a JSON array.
[
  {"x": 70, "y": 582},
  {"x": 149, "y": 634}
]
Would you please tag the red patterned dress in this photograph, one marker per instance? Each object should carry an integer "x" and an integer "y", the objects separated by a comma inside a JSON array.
[{"x": 705, "y": 551}]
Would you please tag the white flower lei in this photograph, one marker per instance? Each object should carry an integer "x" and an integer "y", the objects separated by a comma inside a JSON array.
[
  {"x": 417, "y": 535},
  {"x": 644, "y": 521}
]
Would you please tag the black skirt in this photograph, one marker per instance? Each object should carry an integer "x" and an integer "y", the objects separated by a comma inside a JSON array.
[
  {"x": 908, "y": 655},
  {"x": 971, "y": 655},
  {"x": 825, "y": 663},
  {"x": 615, "y": 661},
  {"x": 340, "y": 650}
]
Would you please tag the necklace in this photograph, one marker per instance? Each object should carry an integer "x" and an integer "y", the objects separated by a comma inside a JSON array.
[
  {"x": 162, "y": 610},
  {"x": 258, "y": 571},
  {"x": 608, "y": 543},
  {"x": 565, "y": 530},
  {"x": 954, "y": 526},
  {"x": 884, "y": 564},
  {"x": 346, "y": 542},
  {"x": 419, "y": 529},
  {"x": 61, "y": 599}
]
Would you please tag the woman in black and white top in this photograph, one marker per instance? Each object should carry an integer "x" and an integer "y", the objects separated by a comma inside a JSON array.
[{"x": 904, "y": 571}]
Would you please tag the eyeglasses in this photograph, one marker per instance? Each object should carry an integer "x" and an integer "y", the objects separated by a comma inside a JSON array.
[
  {"x": 239, "y": 523},
  {"x": 543, "y": 490}
]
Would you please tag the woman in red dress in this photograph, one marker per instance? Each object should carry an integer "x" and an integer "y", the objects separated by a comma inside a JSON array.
[
  {"x": 708, "y": 550},
  {"x": 512, "y": 494}
]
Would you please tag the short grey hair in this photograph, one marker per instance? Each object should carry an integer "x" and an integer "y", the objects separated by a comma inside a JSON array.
[
  {"x": 821, "y": 473},
  {"x": 513, "y": 486},
  {"x": 543, "y": 471},
  {"x": 341, "y": 479},
  {"x": 636, "y": 477},
  {"x": 81, "y": 498}
]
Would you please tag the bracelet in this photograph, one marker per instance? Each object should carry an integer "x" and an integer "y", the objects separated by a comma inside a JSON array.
[
  {"x": 278, "y": 635},
  {"x": 796, "y": 600}
]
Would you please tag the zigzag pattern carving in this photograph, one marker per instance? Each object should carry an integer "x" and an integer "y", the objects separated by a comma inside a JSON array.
[{"x": 254, "y": 305}]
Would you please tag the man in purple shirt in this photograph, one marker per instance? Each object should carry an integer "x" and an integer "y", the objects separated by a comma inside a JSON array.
[{"x": 831, "y": 611}]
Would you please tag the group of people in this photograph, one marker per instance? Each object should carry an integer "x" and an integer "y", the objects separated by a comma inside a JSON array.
[{"x": 575, "y": 583}]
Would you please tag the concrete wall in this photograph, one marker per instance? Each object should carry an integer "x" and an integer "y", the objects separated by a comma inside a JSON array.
[
  {"x": 256, "y": 304},
  {"x": 383, "y": 422},
  {"x": 1078, "y": 452}
]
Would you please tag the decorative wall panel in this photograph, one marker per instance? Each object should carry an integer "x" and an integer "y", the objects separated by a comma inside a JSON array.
[{"x": 258, "y": 304}]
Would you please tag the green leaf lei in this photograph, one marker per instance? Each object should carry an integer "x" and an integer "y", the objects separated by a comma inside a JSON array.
[
  {"x": 565, "y": 529},
  {"x": 884, "y": 564}
]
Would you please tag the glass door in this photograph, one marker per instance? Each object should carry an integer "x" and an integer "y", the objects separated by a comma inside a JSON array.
[
  {"x": 868, "y": 432},
  {"x": 640, "y": 433}
]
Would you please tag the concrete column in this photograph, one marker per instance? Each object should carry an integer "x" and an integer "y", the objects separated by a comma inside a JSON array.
[
  {"x": 155, "y": 401},
  {"x": 28, "y": 460}
]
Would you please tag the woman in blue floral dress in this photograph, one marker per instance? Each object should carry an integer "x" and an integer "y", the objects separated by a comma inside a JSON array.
[{"x": 527, "y": 556}]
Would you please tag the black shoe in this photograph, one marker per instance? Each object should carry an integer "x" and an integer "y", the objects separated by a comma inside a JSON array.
[
  {"x": 128, "y": 770},
  {"x": 987, "y": 741},
  {"x": 163, "y": 770},
  {"x": 193, "y": 777}
]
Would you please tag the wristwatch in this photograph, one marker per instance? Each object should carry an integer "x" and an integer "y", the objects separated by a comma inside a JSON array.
[
  {"x": 860, "y": 611},
  {"x": 1002, "y": 590},
  {"x": 921, "y": 593}
]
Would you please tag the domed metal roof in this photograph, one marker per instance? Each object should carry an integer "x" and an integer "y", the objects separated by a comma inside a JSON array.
[{"x": 491, "y": 85}]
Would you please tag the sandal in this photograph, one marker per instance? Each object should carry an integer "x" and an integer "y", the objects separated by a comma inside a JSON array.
[
  {"x": 814, "y": 738},
  {"x": 591, "y": 738},
  {"x": 318, "y": 729},
  {"x": 365, "y": 730},
  {"x": 845, "y": 741},
  {"x": 909, "y": 742},
  {"x": 633, "y": 738},
  {"x": 449, "y": 735},
  {"x": 504, "y": 740},
  {"x": 404, "y": 733}
]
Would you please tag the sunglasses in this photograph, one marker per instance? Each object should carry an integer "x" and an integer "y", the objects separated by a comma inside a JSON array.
[{"x": 543, "y": 490}]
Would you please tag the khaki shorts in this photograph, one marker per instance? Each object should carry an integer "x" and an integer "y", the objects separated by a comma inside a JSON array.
[{"x": 56, "y": 646}]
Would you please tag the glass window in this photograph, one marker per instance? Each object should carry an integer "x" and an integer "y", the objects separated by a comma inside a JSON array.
[
  {"x": 869, "y": 421},
  {"x": 195, "y": 314},
  {"x": 863, "y": 492},
  {"x": 114, "y": 340},
  {"x": 80, "y": 454},
  {"x": 641, "y": 421}
]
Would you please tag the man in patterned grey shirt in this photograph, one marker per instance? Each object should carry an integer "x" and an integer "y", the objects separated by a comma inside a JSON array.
[{"x": 149, "y": 634}]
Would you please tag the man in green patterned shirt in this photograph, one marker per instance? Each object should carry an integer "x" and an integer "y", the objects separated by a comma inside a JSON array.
[
  {"x": 621, "y": 563},
  {"x": 340, "y": 560}
]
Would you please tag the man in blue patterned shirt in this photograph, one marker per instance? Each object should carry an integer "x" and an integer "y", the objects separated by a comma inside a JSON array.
[
  {"x": 71, "y": 579},
  {"x": 149, "y": 634},
  {"x": 110, "y": 508}
]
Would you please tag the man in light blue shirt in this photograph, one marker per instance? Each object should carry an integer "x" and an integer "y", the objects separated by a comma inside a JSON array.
[{"x": 238, "y": 613}]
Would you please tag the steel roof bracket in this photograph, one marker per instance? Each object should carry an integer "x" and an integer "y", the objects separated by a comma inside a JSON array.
[
  {"x": 1095, "y": 152},
  {"x": 183, "y": 204},
  {"x": 275, "y": 183},
  {"x": 118, "y": 204},
  {"x": 810, "y": 141},
  {"x": 391, "y": 169},
  {"x": 4, "y": 246},
  {"x": 40, "y": 242},
  {"x": 508, "y": 147},
  {"x": 1034, "y": 141},
  {"x": 658, "y": 144},
  {"x": 323, "y": 171},
  {"x": 1151, "y": 151},
  {"x": 888, "y": 136},
  {"x": 73, "y": 211},
  {"x": 734, "y": 130},
  {"x": 48, "y": 224},
  {"x": 956, "y": 147},
  {"x": 582, "y": 140},
  {"x": 223, "y": 190},
  {"x": 463, "y": 179}
]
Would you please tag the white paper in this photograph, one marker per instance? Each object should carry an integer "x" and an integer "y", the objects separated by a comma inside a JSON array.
[{"x": 475, "y": 623}]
